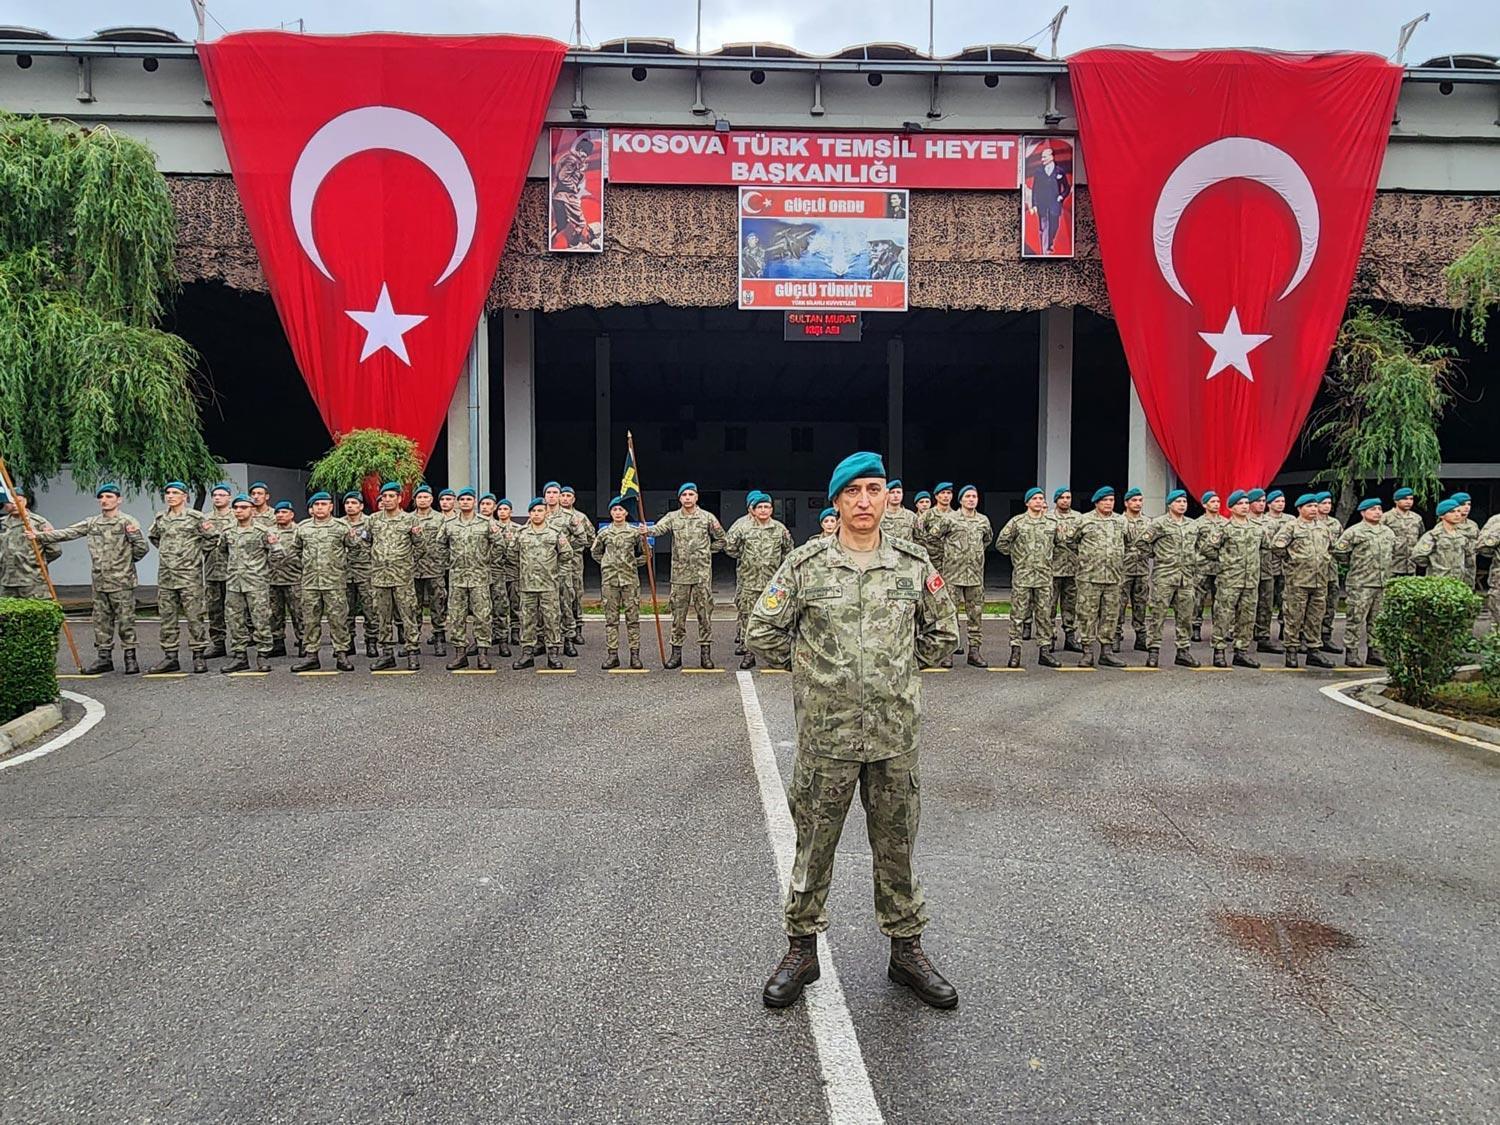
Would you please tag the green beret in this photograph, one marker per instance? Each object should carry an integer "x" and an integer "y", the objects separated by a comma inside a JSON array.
[
  {"x": 567, "y": 490},
  {"x": 685, "y": 485},
  {"x": 536, "y": 502},
  {"x": 283, "y": 506},
  {"x": 1059, "y": 493},
  {"x": 466, "y": 492},
  {"x": 1372, "y": 502},
  {"x": 489, "y": 496},
  {"x": 890, "y": 484},
  {"x": 1460, "y": 498},
  {"x": 1447, "y": 506},
  {"x": 1176, "y": 494},
  {"x": 503, "y": 502},
  {"x": 757, "y": 497},
  {"x": 1402, "y": 494},
  {"x": 1030, "y": 492},
  {"x": 423, "y": 487},
  {"x": 1131, "y": 493},
  {"x": 619, "y": 502},
  {"x": 222, "y": 486},
  {"x": 853, "y": 467},
  {"x": 941, "y": 486},
  {"x": 1207, "y": 496},
  {"x": 258, "y": 484},
  {"x": 177, "y": 484},
  {"x": 1257, "y": 494},
  {"x": 449, "y": 492},
  {"x": 1324, "y": 496},
  {"x": 965, "y": 488},
  {"x": 390, "y": 486},
  {"x": 1237, "y": 495},
  {"x": 828, "y": 512},
  {"x": 316, "y": 496},
  {"x": 551, "y": 484},
  {"x": 240, "y": 499},
  {"x": 1307, "y": 498},
  {"x": 1275, "y": 494},
  {"x": 1102, "y": 494},
  {"x": 110, "y": 486},
  {"x": 353, "y": 495},
  {"x": 919, "y": 496}
]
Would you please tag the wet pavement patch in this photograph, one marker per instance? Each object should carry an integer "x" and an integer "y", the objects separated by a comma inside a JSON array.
[{"x": 1302, "y": 949}]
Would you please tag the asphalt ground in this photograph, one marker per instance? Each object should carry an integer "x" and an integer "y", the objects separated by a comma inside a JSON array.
[{"x": 1164, "y": 896}]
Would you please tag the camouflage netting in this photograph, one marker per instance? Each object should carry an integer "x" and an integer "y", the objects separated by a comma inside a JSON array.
[{"x": 676, "y": 246}]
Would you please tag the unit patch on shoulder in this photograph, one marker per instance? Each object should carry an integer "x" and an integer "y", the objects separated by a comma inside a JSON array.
[
  {"x": 771, "y": 600},
  {"x": 935, "y": 583}
]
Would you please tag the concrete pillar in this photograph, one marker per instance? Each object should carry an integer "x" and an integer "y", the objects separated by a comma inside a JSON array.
[
  {"x": 602, "y": 436},
  {"x": 895, "y": 404},
  {"x": 518, "y": 362},
  {"x": 1054, "y": 434},
  {"x": 469, "y": 416},
  {"x": 1147, "y": 467}
]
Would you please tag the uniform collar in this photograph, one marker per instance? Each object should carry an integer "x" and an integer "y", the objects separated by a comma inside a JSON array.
[{"x": 885, "y": 554}]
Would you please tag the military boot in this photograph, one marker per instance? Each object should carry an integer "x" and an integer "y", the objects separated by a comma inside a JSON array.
[
  {"x": 386, "y": 661},
  {"x": 372, "y": 650},
  {"x": 1219, "y": 661},
  {"x": 1140, "y": 643},
  {"x": 1026, "y": 631},
  {"x": 502, "y": 648},
  {"x": 460, "y": 659},
  {"x": 797, "y": 969},
  {"x": 307, "y": 664},
  {"x": 439, "y": 643},
  {"x": 1198, "y": 632},
  {"x": 974, "y": 659},
  {"x": 301, "y": 648},
  {"x": 739, "y": 646},
  {"x": 1015, "y": 657},
  {"x": 1243, "y": 659},
  {"x": 910, "y": 966},
  {"x": 946, "y": 662},
  {"x": 675, "y": 660},
  {"x": 167, "y": 663},
  {"x": 635, "y": 658},
  {"x": 199, "y": 664},
  {"x": 568, "y": 648},
  {"x": 1070, "y": 642},
  {"x": 473, "y": 649},
  {"x": 413, "y": 659},
  {"x": 1088, "y": 659},
  {"x": 578, "y": 635},
  {"x": 342, "y": 662},
  {"x": 1318, "y": 660},
  {"x": 524, "y": 661},
  {"x": 216, "y": 651},
  {"x": 1108, "y": 658},
  {"x": 278, "y": 647},
  {"x": 1291, "y": 659},
  {"x": 747, "y": 661},
  {"x": 259, "y": 661},
  {"x": 1153, "y": 658},
  {"x": 611, "y": 659},
  {"x": 552, "y": 661},
  {"x": 1268, "y": 645},
  {"x": 706, "y": 656},
  {"x": 1186, "y": 659},
  {"x": 1329, "y": 646},
  {"x": 131, "y": 667},
  {"x": 482, "y": 661},
  {"x": 1047, "y": 658},
  {"x": 238, "y": 664}
]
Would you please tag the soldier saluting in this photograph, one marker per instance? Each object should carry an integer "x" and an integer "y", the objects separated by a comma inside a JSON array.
[{"x": 854, "y": 616}]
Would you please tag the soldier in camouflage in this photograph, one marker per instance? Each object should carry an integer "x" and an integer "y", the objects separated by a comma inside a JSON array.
[
  {"x": 1135, "y": 587},
  {"x": 1172, "y": 540},
  {"x": 899, "y": 522},
  {"x": 1303, "y": 544},
  {"x": 696, "y": 535},
  {"x": 470, "y": 543},
  {"x": 251, "y": 545},
  {"x": 1208, "y": 569},
  {"x": 620, "y": 551},
  {"x": 922, "y": 503},
  {"x": 542, "y": 552},
  {"x": 1408, "y": 526},
  {"x": 322, "y": 545},
  {"x": 394, "y": 537},
  {"x": 511, "y": 565},
  {"x": 734, "y": 529},
  {"x": 447, "y": 503},
  {"x": 286, "y": 583},
  {"x": 430, "y": 567},
  {"x": 183, "y": 537},
  {"x": 1444, "y": 550},
  {"x": 1331, "y": 605},
  {"x": 561, "y": 522},
  {"x": 20, "y": 574},
  {"x": 1099, "y": 538},
  {"x": 1470, "y": 531},
  {"x": 854, "y": 618},
  {"x": 260, "y": 500},
  {"x": 359, "y": 594},
  {"x": 965, "y": 536},
  {"x": 930, "y": 524},
  {"x": 1235, "y": 545},
  {"x": 1271, "y": 514},
  {"x": 116, "y": 544},
  {"x": 1065, "y": 570},
  {"x": 757, "y": 543},
  {"x": 216, "y": 566},
  {"x": 1368, "y": 547},
  {"x": 583, "y": 540},
  {"x": 1030, "y": 539},
  {"x": 828, "y": 525},
  {"x": 1488, "y": 544}
]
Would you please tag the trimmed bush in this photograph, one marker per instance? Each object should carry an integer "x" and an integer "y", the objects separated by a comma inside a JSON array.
[
  {"x": 1489, "y": 660},
  {"x": 28, "y": 654},
  {"x": 1424, "y": 629}
]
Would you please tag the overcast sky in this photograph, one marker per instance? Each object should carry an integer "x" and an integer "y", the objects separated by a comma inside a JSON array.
[{"x": 826, "y": 25}]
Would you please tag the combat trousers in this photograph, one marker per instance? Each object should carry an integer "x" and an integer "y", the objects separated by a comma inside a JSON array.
[
  {"x": 1302, "y": 618},
  {"x": 1234, "y": 616},
  {"x": 432, "y": 595},
  {"x": 513, "y": 603},
  {"x": 1098, "y": 611},
  {"x": 361, "y": 601},
  {"x": 463, "y": 602},
  {"x": 1360, "y": 609},
  {"x": 247, "y": 620},
  {"x": 622, "y": 599},
  {"x": 213, "y": 592},
  {"x": 174, "y": 605},
  {"x": 501, "y": 610},
  {"x": 38, "y": 589},
  {"x": 566, "y": 621},
  {"x": 316, "y": 604},
  {"x": 1330, "y": 607},
  {"x": 1134, "y": 592},
  {"x": 970, "y": 601},
  {"x": 286, "y": 602},
  {"x": 822, "y": 790},
  {"x": 698, "y": 596},
  {"x": 1267, "y": 599},
  {"x": 1180, "y": 596},
  {"x": 392, "y": 602},
  {"x": 578, "y": 589},
  {"x": 539, "y": 610},
  {"x": 1065, "y": 599},
  {"x": 1207, "y": 598},
  {"x": 114, "y": 612},
  {"x": 1031, "y": 604}
]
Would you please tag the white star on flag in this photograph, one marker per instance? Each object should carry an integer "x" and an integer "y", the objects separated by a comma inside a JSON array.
[
  {"x": 1232, "y": 347},
  {"x": 384, "y": 327}
]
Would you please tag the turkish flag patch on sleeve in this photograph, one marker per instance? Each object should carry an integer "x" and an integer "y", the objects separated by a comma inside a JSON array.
[{"x": 935, "y": 583}]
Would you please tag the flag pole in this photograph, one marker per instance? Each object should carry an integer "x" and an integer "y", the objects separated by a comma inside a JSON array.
[
  {"x": 640, "y": 507},
  {"x": 36, "y": 548}
]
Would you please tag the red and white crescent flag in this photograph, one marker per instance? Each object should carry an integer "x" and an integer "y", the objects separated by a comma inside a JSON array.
[
  {"x": 1231, "y": 191},
  {"x": 379, "y": 175}
]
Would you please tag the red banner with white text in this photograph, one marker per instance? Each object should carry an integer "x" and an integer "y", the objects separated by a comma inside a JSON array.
[
  {"x": 379, "y": 175},
  {"x": 1231, "y": 191}
]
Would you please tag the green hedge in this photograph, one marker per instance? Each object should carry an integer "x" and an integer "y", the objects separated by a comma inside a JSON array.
[
  {"x": 1424, "y": 629},
  {"x": 28, "y": 654}
]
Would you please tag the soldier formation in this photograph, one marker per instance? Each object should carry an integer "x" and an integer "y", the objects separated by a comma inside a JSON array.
[{"x": 461, "y": 567}]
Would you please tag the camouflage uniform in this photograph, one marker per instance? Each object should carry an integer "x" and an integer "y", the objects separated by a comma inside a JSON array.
[
  {"x": 1470, "y": 531},
  {"x": 115, "y": 546},
  {"x": 247, "y": 590},
  {"x": 1030, "y": 541},
  {"x": 1135, "y": 586},
  {"x": 505, "y": 599},
  {"x": 1330, "y": 607},
  {"x": 1235, "y": 545},
  {"x": 695, "y": 538},
  {"x": 541, "y": 556},
  {"x": 1100, "y": 543},
  {"x": 182, "y": 544},
  {"x": 429, "y": 569},
  {"x": 854, "y": 641},
  {"x": 20, "y": 576},
  {"x": 1065, "y": 575},
  {"x": 757, "y": 550},
  {"x": 1173, "y": 544},
  {"x": 394, "y": 543},
  {"x": 620, "y": 551},
  {"x": 215, "y": 572},
  {"x": 899, "y": 523},
  {"x": 1269, "y": 598},
  {"x": 469, "y": 544},
  {"x": 322, "y": 550},
  {"x": 1367, "y": 548},
  {"x": 584, "y": 533},
  {"x": 965, "y": 539},
  {"x": 561, "y": 521},
  {"x": 1408, "y": 527},
  {"x": 1208, "y": 572},
  {"x": 929, "y": 533},
  {"x": 1489, "y": 544},
  {"x": 1444, "y": 552},
  {"x": 359, "y": 593},
  {"x": 286, "y": 590},
  {"x": 1304, "y": 548}
]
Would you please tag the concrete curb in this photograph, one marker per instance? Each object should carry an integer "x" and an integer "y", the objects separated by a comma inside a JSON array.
[
  {"x": 1365, "y": 695},
  {"x": 37, "y": 721}
]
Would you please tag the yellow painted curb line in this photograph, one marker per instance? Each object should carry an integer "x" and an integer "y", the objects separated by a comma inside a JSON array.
[
  {"x": 164, "y": 675},
  {"x": 556, "y": 671},
  {"x": 628, "y": 671}
]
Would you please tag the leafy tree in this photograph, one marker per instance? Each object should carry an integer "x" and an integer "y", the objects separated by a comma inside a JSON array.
[
  {"x": 86, "y": 241},
  {"x": 1474, "y": 281},
  {"x": 1385, "y": 398},
  {"x": 367, "y": 459}
]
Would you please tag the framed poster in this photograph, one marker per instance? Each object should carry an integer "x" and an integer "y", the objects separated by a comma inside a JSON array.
[
  {"x": 575, "y": 191},
  {"x": 823, "y": 248},
  {"x": 1046, "y": 197}
]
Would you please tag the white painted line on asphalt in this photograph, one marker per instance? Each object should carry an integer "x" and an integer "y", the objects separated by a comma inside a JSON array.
[
  {"x": 93, "y": 714},
  {"x": 1338, "y": 692},
  {"x": 851, "y": 1099}
]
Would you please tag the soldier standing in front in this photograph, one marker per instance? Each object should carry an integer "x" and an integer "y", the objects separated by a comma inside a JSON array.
[
  {"x": 1135, "y": 587},
  {"x": 757, "y": 543},
  {"x": 1172, "y": 540},
  {"x": 430, "y": 568},
  {"x": 1065, "y": 570},
  {"x": 966, "y": 535},
  {"x": 1234, "y": 545},
  {"x": 620, "y": 552},
  {"x": 469, "y": 543},
  {"x": 182, "y": 541},
  {"x": 251, "y": 544},
  {"x": 1303, "y": 544},
  {"x": 1408, "y": 526},
  {"x": 1099, "y": 538},
  {"x": 542, "y": 550},
  {"x": 1029, "y": 539},
  {"x": 1367, "y": 547},
  {"x": 286, "y": 582},
  {"x": 216, "y": 566},
  {"x": 854, "y": 618},
  {"x": 322, "y": 544},
  {"x": 394, "y": 537},
  {"x": 360, "y": 595},
  {"x": 696, "y": 536}
]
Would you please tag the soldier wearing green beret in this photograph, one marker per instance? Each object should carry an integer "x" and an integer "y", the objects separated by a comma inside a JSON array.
[
  {"x": 620, "y": 552},
  {"x": 20, "y": 576},
  {"x": 430, "y": 567},
  {"x": 322, "y": 546},
  {"x": 1402, "y": 518},
  {"x": 1235, "y": 544},
  {"x": 1271, "y": 515},
  {"x": 360, "y": 593},
  {"x": 394, "y": 537},
  {"x": 470, "y": 543},
  {"x": 854, "y": 618},
  {"x": 543, "y": 548},
  {"x": 1172, "y": 539},
  {"x": 1304, "y": 545},
  {"x": 1331, "y": 603},
  {"x": 1030, "y": 540},
  {"x": 1208, "y": 569},
  {"x": 286, "y": 583},
  {"x": 1368, "y": 547},
  {"x": 696, "y": 536},
  {"x": 899, "y": 521},
  {"x": 250, "y": 544},
  {"x": 966, "y": 535},
  {"x": 931, "y": 524},
  {"x": 1099, "y": 538},
  {"x": 1065, "y": 569},
  {"x": 583, "y": 531},
  {"x": 757, "y": 543},
  {"x": 1444, "y": 550},
  {"x": 216, "y": 566},
  {"x": 182, "y": 538},
  {"x": 1470, "y": 531},
  {"x": 1135, "y": 586}
]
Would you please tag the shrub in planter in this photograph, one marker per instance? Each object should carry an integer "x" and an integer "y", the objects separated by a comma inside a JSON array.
[
  {"x": 1424, "y": 629},
  {"x": 28, "y": 654},
  {"x": 1489, "y": 660}
]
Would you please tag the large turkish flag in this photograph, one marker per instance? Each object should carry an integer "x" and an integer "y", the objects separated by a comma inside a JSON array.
[
  {"x": 379, "y": 175},
  {"x": 1231, "y": 191}
]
